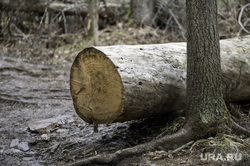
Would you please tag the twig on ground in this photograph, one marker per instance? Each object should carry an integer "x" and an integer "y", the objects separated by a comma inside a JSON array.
[
  {"x": 174, "y": 151},
  {"x": 166, "y": 142},
  {"x": 44, "y": 15},
  {"x": 198, "y": 141},
  {"x": 240, "y": 130}
]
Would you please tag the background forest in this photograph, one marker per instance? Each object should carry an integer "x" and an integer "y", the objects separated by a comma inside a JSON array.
[{"x": 49, "y": 24}]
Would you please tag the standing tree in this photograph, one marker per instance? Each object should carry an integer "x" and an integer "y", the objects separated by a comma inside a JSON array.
[
  {"x": 204, "y": 87},
  {"x": 93, "y": 21},
  {"x": 206, "y": 113}
]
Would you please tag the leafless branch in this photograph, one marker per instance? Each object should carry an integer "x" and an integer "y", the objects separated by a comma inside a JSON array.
[
  {"x": 64, "y": 21},
  {"x": 240, "y": 15},
  {"x": 44, "y": 14}
]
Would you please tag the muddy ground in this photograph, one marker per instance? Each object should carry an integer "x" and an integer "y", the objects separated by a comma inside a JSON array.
[{"x": 39, "y": 126}]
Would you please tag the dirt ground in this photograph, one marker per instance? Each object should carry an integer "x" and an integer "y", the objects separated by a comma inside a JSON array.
[{"x": 39, "y": 126}]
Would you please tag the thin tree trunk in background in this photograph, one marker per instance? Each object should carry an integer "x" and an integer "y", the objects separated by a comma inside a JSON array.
[
  {"x": 94, "y": 18},
  {"x": 142, "y": 11},
  {"x": 204, "y": 85}
]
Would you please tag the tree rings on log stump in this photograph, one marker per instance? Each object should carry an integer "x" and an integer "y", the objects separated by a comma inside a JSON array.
[{"x": 96, "y": 87}]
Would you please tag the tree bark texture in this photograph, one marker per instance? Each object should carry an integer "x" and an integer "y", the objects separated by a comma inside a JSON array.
[
  {"x": 120, "y": 83},
  {"x": 204, "y": 85}
]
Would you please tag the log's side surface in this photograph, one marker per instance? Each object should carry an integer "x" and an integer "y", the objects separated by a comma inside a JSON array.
[
  {"x": 148, "y": 80},
  {"x": 153, "y": 77},
  {"x": 235, "y": 57}
]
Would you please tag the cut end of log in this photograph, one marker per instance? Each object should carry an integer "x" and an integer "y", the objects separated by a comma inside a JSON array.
[{"x": 96, "y": 87}]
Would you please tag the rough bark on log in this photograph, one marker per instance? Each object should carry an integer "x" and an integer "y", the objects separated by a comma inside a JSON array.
[{"x": 120, "y": 83}]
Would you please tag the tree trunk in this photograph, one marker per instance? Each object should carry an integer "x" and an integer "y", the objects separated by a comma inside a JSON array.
[
  {"x": 93, "y": 21},
  {"x": 204, "y": 85},
  {"x": 120, "y": 83},
  {"x": 142, "y": 11}
]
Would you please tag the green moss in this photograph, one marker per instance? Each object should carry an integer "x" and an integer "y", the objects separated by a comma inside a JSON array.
[
  {"x": 175, "y": 125},
  {"x": 120, "y": 34},
  {"x": 128, "y": 13},
  {"x": 54, "y": 63},
  {"x": 130, "y": 22},
  {"x": 221, "y": 144},
  {"x": 203, "y": 118}
]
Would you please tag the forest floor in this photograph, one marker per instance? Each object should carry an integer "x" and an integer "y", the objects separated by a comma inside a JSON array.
[{"x": 39, "y": 126}]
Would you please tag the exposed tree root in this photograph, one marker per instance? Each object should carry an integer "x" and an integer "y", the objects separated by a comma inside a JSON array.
[
  {"x": 240, "y": 130},
  {"x": 173, "y": 151},
  {"x": 183, "y": 136}
]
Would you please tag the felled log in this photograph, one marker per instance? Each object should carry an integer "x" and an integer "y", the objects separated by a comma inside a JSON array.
[{"x": 120, "y": 83}]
